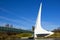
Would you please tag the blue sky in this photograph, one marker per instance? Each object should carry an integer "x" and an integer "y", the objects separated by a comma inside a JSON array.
[{"x": 23, "y": 13}]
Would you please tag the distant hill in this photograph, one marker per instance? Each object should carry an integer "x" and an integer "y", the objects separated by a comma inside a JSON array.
[
  {"x": 13, "y": 30},
  {"x": 56, "y": 33}
]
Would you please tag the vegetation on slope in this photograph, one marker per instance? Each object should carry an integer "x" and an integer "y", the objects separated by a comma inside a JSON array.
[
  {"x": 10, "y": 33},
  {"x": 56, "y": 33}
]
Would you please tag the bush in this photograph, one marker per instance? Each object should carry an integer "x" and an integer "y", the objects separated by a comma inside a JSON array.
[{"x": 24, "y": 35}]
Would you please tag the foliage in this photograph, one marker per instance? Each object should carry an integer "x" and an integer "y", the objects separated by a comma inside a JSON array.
[
  {"x": 57, "y": 30},
  {"x": 24, "y": 35},
  {"x": 13, "y": 30}
]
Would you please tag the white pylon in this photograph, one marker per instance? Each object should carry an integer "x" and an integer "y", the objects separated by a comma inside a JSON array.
[{"x": 38, "y": 27}]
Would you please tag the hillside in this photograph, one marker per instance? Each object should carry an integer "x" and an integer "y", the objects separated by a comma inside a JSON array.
[
  {"x": 13, "y": 33},
  {"x": 13, "y": 30},
  {"x": 56, "y": 33}
]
